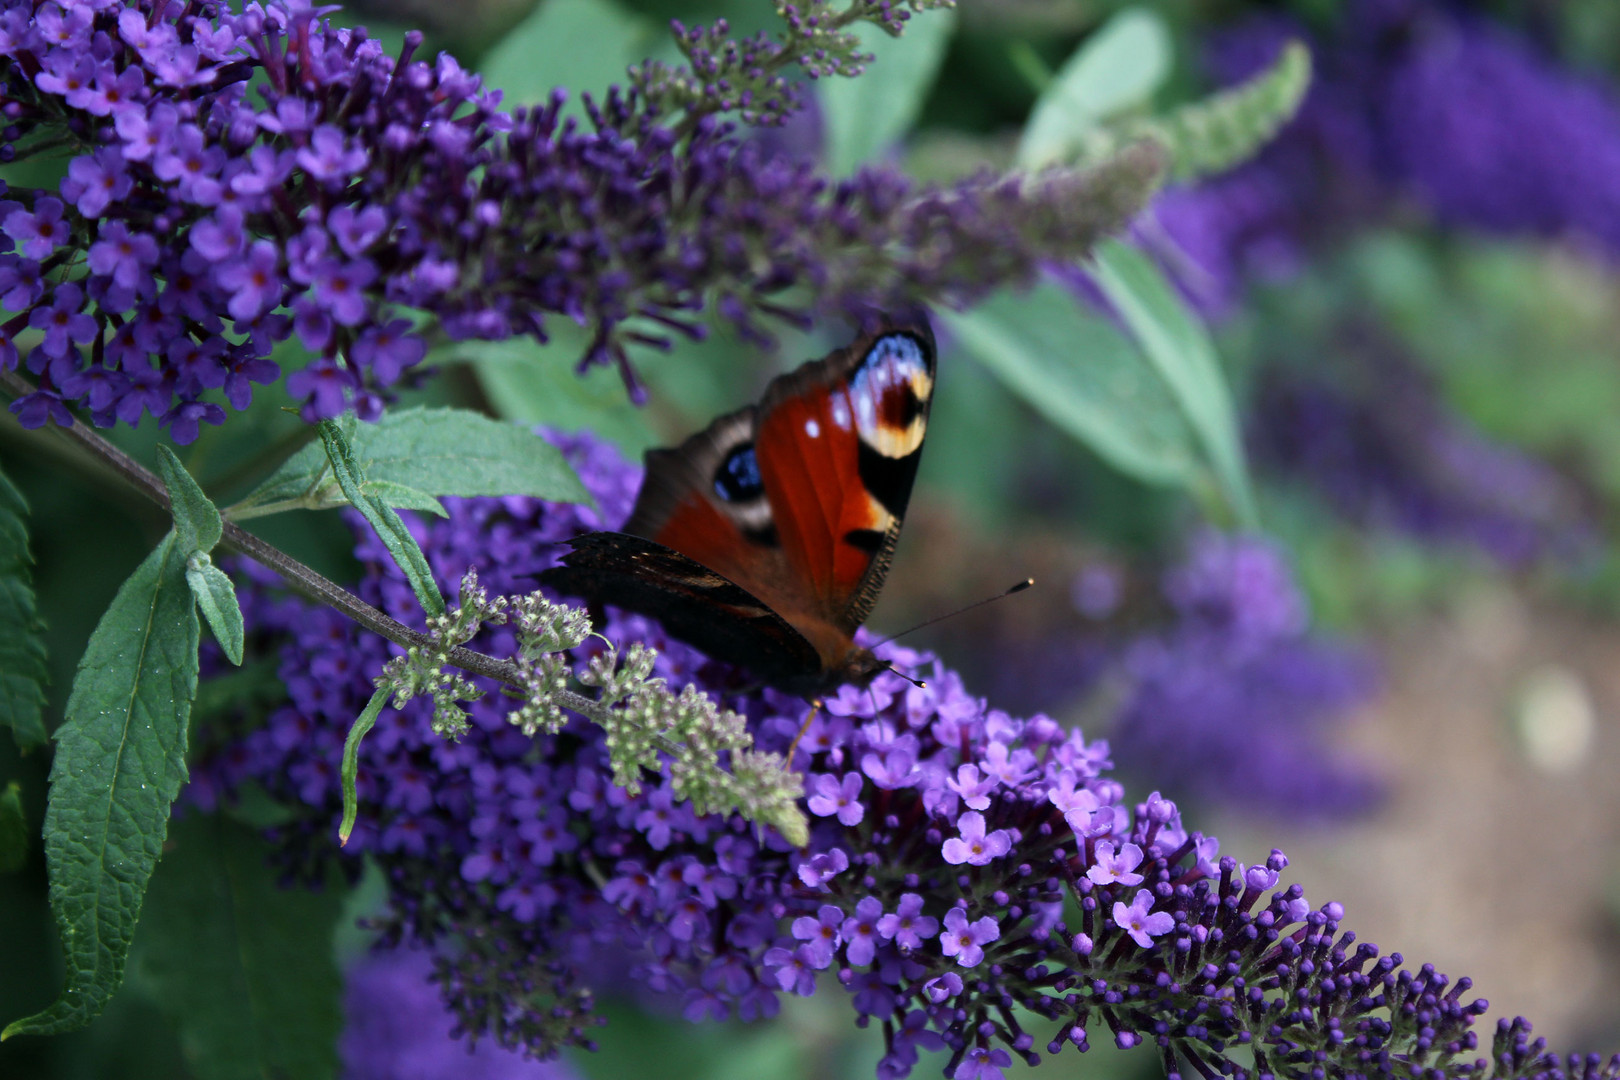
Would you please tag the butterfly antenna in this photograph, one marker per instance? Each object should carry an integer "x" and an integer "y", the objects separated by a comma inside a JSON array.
[
  {"x": 1010, "y": 590},
  {"x": 918, "y": 683}
]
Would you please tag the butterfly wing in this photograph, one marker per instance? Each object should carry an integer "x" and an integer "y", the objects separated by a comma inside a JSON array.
[
  {"x": 693, "y": 603},
  {"x": 837, "y": 445},
  {"x": 794, "y": 504}
]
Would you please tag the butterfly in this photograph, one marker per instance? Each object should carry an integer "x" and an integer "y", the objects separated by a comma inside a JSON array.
[{"x": 764, "y": 539}]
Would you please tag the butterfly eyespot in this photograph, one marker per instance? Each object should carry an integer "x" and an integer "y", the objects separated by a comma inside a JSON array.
[
  {"x": 737, "y": 478},
  {"x": 889, "y": 392}
]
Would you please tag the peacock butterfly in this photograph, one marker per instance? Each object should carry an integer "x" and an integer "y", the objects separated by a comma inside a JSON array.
[{"x": 764, "y": 539}]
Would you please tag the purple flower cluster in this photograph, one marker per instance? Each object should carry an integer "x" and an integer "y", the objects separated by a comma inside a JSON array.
[
  {"x": 1232, "y": 703},
  {"x": 213, "y": 225},
  {"x": 1414, "y": 101},
  {"x": 1387, "y": 453},
  {"x": 962, "y": 864},
  {"x": 397, "y": 1028}
]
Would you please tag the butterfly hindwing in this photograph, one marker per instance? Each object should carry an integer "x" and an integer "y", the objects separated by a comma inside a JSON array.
[{"x": 693, "y": 603}]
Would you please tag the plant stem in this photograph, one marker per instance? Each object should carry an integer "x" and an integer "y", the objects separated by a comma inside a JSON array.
[{"x": 303, "y": 580}]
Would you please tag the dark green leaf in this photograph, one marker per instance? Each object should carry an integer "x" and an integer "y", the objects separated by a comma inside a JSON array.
[
  {"x": 216, "y": 598},
  {"x": 22, "y": 644},
  {"x": 351, "y": 760},
  {"x": 120, "y": 761},
  {"x": 1083, "y": 375},
  {"x": 536, "y": 384},
  {"x": 196, "y": 522},
  {"x": 583, "y": 45},
  {"x": 865, "y": 116},
  {"x": 390, "y": 529},
  {"x": 411, "y": 456},
  {"x": 1115, "y": 70},
  {"x": 13, "y": 829},
  {"x": 244, "y": 965},
  {"x": 1180, "y": 349}
]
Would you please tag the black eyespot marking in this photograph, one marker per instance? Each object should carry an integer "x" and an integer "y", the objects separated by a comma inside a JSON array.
[
  {"x": 868, "y": 540},
  {"x": 737, "y": 478}
]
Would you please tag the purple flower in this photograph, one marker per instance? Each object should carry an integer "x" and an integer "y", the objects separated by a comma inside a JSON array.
[
  {"x": 974, "y": 789},
  {"x": 830, "y": 795},
  {"x": 793, "y": 971},
  {"x": 982, "y": 1063},
  {"x": 1137, "y": 922},
  {"x": 253, "y": 281},
  {"x": 183, "y": 418},
  {"x": 39, "y": 233},
  {"x": 965, "y": 940},
  {"x": 817, "y": 870},
  {"x": 907, "y": 927},
  {"x": 974, "y": 846},
  {"x": 821, "y": 934},
  {"x": 123, "y": 256},
  {"x": 340, "y": 288},
  {"x": 327, "y": 158},
  {"x": 64, "y": 322},
  {"x": 861, "y": 932},
  {"x": 96, "y": 181},
  {"x": 1110, "y": 868}
]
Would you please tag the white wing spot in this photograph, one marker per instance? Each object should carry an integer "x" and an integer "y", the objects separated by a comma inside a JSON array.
[{"x": 812, "y": 429}]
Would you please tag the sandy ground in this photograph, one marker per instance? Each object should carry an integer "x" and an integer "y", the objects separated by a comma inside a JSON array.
[{"x": 1497, "y": 855}]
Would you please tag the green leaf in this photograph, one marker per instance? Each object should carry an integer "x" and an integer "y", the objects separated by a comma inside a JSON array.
[
  {"x": 196, "y": 522},
  {"x": 863, "y": 117},
  {"x": 583, "y": 45},
  {"x": 13, "y": 830},
  {"x": 120, "y": 761},
  {"x": 1115, "y": 70},
  {"x": 22, "y": 645},
  {"x": 536, "y": 384},
  {"x": 390, "y": 529},
  {"x": 243, "y": 964},
  {"x": 351, "y": 760},
  {"x": 1180, "y": 349},
  {"x": 1223, "y": 130},
  {"x": 1080, "y": 372},
  {"x": 409, "y": 457},
  {"x": 404, "y": 497},
  {"x": 216, "y": 597}
]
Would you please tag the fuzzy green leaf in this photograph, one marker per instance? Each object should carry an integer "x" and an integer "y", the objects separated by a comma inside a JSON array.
[
  {"x": 196, "y": 522},
  {"x": 13, "y": 829},
  {"x": 120, "y": 761},
  {"x": 1179, "y": 348},
  {"x": 390, "y": 529},
  {"x": 22, "y": 644},
  {"x": 351, "y": 760},
  {"x": 409, "y": 457},
  {"x": 865, "y": 116},
  {"x": 216, "y": 599},
  {"x": 1115, "y": 70},
  {"x": 582, "y": 45},
  {"x": 244, "y": 965},
  {"x": 1211, "y": 136},
  {"x": 532, "y": 383},
  {"x": 1077, "y": 369}
]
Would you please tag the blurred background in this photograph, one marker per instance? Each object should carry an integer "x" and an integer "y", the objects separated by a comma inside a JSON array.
[{"x": 1407, "y": 676}]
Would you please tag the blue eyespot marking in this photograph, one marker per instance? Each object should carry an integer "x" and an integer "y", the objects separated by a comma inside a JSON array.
[{"x": 737, "y": 479}]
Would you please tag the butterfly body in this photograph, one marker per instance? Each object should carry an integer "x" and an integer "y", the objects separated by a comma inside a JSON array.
[{"x": 764, "y": 539}]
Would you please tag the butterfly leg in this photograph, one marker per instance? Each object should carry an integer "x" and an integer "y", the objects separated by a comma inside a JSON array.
[{"x": 815, "y": 707}]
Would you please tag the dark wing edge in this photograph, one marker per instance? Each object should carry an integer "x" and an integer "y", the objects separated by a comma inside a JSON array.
[
  {"x": 691, "y": 602},
  {"x": 674, "y": 471}
]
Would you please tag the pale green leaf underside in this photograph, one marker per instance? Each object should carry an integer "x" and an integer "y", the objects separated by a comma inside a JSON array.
[
  {"x": 1115, "y": 70},
  {"x": 864, "y": 116},
  {"x": 1178, "y": 346},
  {"x": 216, "y": 599},
  {"x": 1077, "y": 369}
]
